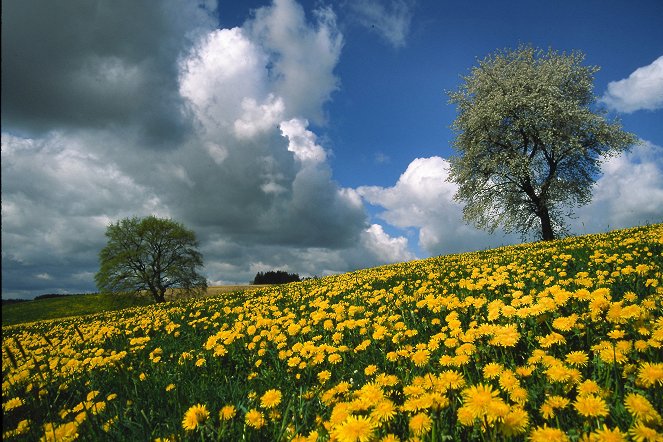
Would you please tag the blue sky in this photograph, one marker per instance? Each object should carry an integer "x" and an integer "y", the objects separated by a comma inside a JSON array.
[{"x": 306, "y": 136}]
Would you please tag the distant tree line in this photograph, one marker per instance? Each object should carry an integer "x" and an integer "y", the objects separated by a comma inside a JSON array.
[{"x": 275, "y": 277}]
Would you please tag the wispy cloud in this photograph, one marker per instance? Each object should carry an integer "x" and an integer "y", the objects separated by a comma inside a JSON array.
[
  {"x": 643, "y": 89},
  {"x": 389, "y": 19}
]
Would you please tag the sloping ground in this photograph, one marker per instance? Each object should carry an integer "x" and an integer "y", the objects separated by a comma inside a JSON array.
[
  {"x": 78, "y": 305},
  {"x": 544, "y": 341}
]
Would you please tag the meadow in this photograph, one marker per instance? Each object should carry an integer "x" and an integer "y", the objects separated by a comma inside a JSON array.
[
  {"x": 90, "y": 303},
  {"x": 548, "y": 341}
]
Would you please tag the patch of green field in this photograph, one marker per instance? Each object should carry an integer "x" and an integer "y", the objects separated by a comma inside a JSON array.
[{"x": 77, "y": 305}]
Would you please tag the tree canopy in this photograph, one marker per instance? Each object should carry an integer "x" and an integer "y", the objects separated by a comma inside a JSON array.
[
  {"x": 528, "y": 141},
  {"x": 150, "y": 254}
]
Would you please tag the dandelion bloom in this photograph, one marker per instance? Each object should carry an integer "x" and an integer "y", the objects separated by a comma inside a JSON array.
[
  {"x": 640, "y": 408},
  {"x": 591, "y": 406},
  {"x": 195, "y": 416},
  {"x": 650, "y": 374},
  {"x": 355, "y": 429},
  {"x": 642, "y": 433},
  {"x": 270, "y": 399},
  {"x": 506, "y": 336},
  {"x": 547, "y": 434},
  {"x": 227, "y": 412},
  {"x": 324, "y": 376},
  {"x": 492, "y": 370},
  {"x": 420, "y": 357},
  {"x": 605, "y": 434},
  {"x": 12, "y": 403},
  {"x": 577, "y": 358},
  {"x": 384, "y": 411},
  {"x": 255, "y": 419},
  {"x": 515, "y": 422},
  {"x": 478, "y": 397},
  {"x": 370, "y": 370},
  {"x": 420, "y": 424}
]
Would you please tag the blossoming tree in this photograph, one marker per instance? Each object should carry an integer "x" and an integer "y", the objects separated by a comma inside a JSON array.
[{"x": 529, "y": 141}]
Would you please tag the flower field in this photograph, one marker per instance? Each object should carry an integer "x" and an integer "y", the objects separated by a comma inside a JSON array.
[{"x": 544, "y": 342}]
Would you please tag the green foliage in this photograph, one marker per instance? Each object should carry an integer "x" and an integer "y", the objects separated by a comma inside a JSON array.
[
  {"x": 529, "y": 143},
  {"x": 150, "y": 254}
]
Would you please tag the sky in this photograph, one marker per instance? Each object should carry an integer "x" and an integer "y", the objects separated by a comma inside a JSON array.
[{"x": 311, "y": 137}]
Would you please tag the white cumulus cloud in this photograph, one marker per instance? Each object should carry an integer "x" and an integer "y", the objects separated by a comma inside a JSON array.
[
  {"x": 643, "y": 89},
  {"x": 423, "y": 199}
]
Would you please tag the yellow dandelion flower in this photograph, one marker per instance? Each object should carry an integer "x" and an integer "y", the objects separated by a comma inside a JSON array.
[
  {"x": 270, "y": 399},
  {"x": 227, "y": 412},
  {"x": 514, "y": 422},
  {"x": 492, "y": 370},
  {"x": 372, "y": 393},
  {"x": 384, "y": 411},
  {"x": 354, "y": 429},
  {"x": 547, "y": 434},
  {"x": 370, "y": 370},
  {"x": 195, "y": 416},
  {"x": 551, "y": 339},
  {"x": 642, "y": 433},
  {"x": 481, "y": 401},
  {"x": 605, "y": 434},
  {"x": 505, "y": 336},
  {"x": 588, "y": 387},
  {"x": 577, "y": 358},
  {"x": 390, "y": 438},
  {"x": 420, "y": 357},
  {"x": 650, "y": 374},
  {"x": 565, "y": 323},
  {"x": 420, "y": 424},
  {"x": 254, "y": 418},
  {"x": 508, "y": 381},
  {"x": 591, "y": 406},
  {"x": 551, "y": 404},
  {"x": 640, "y": 408},
  {"x": 12, "y": 404},
  {"x": 170, "y": 387},
  {"x": 324, "y": 376}
]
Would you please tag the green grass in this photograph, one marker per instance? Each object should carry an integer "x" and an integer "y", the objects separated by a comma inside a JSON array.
[{"x": 75, "y": 305}]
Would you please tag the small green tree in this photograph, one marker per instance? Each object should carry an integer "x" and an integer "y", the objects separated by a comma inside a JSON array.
[
  {"x": 529, "y": 144},
  {"x": 150, "y": 254}
]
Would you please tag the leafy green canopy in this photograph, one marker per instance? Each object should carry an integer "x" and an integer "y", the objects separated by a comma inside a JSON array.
[
  {"x": 529, "y": 144},
  {"x": 149, "y": 254}
]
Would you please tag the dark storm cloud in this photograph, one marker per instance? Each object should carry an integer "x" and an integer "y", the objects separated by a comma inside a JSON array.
[{"x": 94, "y": 64}]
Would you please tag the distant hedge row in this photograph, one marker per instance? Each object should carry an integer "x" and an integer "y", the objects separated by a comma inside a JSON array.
[{"x": 275, "y": 277}]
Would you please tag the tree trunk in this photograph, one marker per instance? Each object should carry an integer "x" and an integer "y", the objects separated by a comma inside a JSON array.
[{"x": 546, "y": 226}]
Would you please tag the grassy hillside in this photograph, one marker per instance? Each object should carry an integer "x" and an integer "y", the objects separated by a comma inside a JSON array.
[
  {"x": 77, "y": 305},
  {"x": 541, "y": 342},
  {"x": 74, "y": 305}
]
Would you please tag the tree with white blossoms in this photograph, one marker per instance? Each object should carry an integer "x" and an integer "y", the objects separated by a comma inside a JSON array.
[{"x": 529, "y": 144}]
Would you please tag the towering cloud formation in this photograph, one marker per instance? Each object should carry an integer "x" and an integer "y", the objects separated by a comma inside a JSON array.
[{"x": 165, "y": 114}]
